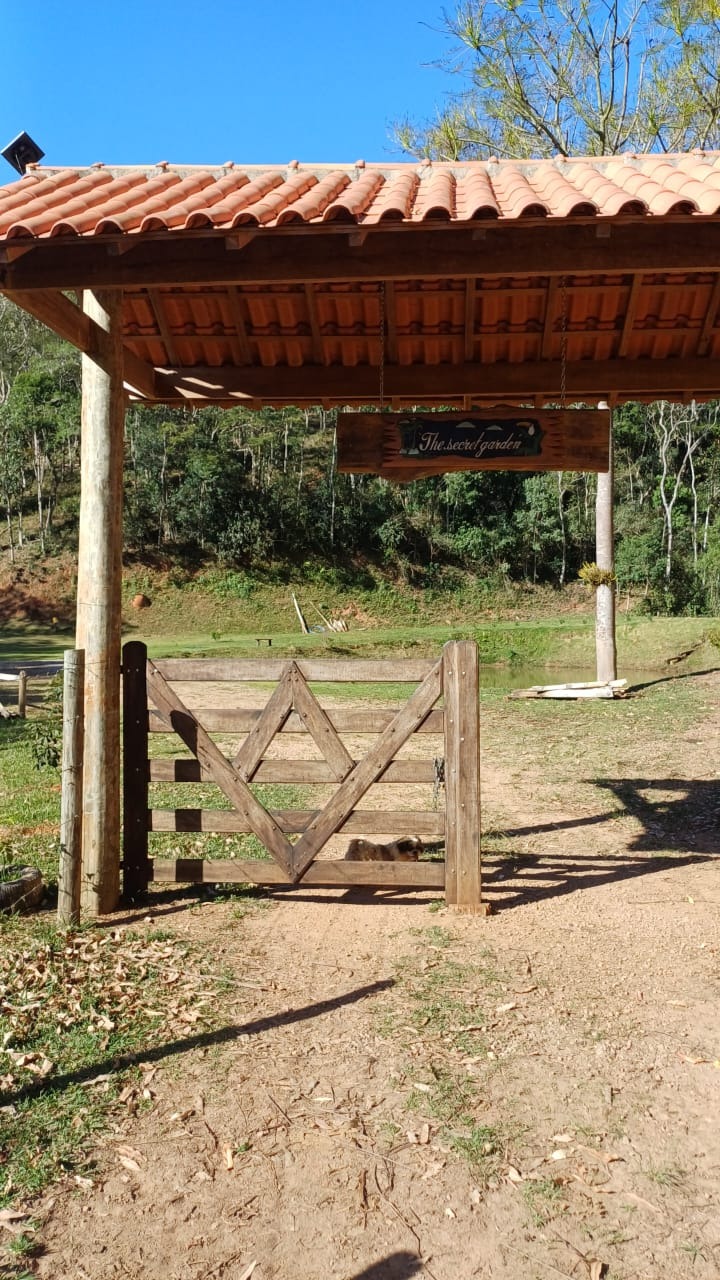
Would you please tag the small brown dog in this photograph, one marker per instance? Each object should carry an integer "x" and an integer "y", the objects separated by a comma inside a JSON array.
[{"x": 404, "y": 850}]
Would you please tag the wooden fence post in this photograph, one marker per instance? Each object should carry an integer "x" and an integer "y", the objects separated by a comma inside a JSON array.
[
  {"x": 462, "y": 777},
  {"x": 99, "y": 617},
  {"x": 22, "y": 694},
  {"x": 68, "y": 909},
  {"x": 136, "y": 868}
]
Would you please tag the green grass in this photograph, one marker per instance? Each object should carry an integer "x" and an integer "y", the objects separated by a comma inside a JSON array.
[
  {"x": 545, "y": 1199},
  {"x": 555, "y": 642},
  {"x": 443, "y": 1004},
  {"x": 29, "y": 802}
]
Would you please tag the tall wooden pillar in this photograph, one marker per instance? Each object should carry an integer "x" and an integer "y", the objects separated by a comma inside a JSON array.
[
  {"x": 605, "y": 644},
  {"x": 98, "y": 601}
]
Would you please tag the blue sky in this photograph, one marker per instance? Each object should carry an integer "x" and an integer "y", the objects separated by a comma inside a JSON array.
[{"x": 216, "y": 80}]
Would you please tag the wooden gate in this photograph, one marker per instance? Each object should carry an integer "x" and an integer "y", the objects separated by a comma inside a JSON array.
[{"x": 444, "y": 704}]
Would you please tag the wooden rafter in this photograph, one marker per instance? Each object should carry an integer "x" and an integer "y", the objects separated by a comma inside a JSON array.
[
  {"x": 549, "y": 321},
  {"x": 391, "y": 335},
  {"x": 236, "y": 309},
  {"x": 630, "y": 310},
  {"x": 469, "y": 319},
  {"x": 710, "y": 319},
  {"x": 317, "y": 341},
  {"x": 158, "y": 309}
]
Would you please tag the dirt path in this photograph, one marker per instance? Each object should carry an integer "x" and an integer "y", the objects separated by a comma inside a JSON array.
[{"x": 595, "y": 1073}]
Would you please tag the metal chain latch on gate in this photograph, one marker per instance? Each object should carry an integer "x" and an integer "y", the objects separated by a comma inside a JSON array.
[{"x": 438, "y": 779}]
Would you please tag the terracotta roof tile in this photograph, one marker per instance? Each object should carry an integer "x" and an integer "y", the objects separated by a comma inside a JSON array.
[
  {"x": 72, "y": 202},
  {"x": 515, "y": 194},
  {"x": 233, "y": 203}
]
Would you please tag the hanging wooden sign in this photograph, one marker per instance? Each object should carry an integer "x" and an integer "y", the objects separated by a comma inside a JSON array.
[{"x": 408, "y": 446}]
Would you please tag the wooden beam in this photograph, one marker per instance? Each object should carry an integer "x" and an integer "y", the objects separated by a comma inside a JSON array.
[
  {"x": 429, "y": 824},
  {"x": 710, "y": 319},
  {"x": 630, "y": 310},
  {"x": 335, "y": 670},
  {"x": 98, "y": 602},
  {"x": 61, "y": 315},
  {"x": 158, "y": 310},
  {"x": 315, "y": 254},
  {"x": 139, "y": 375},
  {"x": 391, "y": 336},
  {"x": 548, "y": 325},
  {"x": 236, "y": 307},
  {"x": 334, "y": 874},
  {"x": 470, "y": 319},
  {"x": 317, "y": 341},
  {"x": 69, "y": 322},
  {"x": 18, "y": 249},
  {"x": 419, "y": 383}
]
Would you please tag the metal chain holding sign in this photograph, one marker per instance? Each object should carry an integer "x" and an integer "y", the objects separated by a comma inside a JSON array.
[
  {"x": 382, "y": 345},
  {"x": 563, "y": 340}
]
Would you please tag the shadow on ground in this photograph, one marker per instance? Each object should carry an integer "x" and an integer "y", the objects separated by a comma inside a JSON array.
[
  {"x": 397, "y": 1266},
  {"x": 223, "y": 1035}
]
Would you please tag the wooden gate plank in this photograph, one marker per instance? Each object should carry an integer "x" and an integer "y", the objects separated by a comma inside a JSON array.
[
  {"x": 271, "y": 721},
  {"x": 290, "y": 771},
  {"x": 334, "y": 670},
  {"x": 427, "y": 823},
  {"x": 366, "y": 771},
  {"x": 335, "y": 874},
  {"x": 182, "y": 722},
  {"x": 320, "y": 728},
  {"x": 343, "y": 720}
]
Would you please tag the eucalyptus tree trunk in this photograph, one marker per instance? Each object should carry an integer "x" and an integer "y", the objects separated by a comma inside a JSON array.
[{"x": 605, "y": 647}]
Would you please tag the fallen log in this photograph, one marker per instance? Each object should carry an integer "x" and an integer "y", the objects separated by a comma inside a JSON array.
[{"x": 579, "y": 689}]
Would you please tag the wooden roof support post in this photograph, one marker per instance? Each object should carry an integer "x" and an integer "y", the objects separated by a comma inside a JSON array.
[{"x": 98, "y": 601}]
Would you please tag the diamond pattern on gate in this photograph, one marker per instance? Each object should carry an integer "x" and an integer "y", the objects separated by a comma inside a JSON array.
[{"x": 293, "y": 695}]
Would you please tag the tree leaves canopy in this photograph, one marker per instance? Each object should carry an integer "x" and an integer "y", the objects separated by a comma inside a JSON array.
[{"x": 576, "y": 77}]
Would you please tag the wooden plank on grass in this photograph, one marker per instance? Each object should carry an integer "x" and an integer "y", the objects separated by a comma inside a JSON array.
[
  {"x": 289, "y": 771},
  {"x": 211, "y": 759},
  {"x": 228, "y": 720},
  {"x": 335, "y": 874},
  {"x": 390, "y": 671},
  {"x": 429, "y": 824}
]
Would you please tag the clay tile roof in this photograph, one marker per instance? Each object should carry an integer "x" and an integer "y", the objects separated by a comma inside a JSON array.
[{"x": 165, "y": 198}]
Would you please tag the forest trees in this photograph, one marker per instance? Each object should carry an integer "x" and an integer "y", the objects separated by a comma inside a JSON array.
[{"x": 260, "y": 490}]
